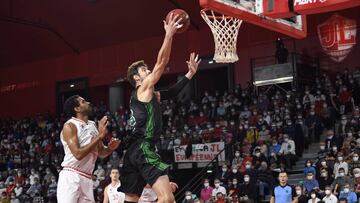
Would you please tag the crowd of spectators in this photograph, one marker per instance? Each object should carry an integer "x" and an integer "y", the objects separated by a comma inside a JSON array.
[
  {"x": 269, "y": 133},
  {"x": 264, "y": 131}
]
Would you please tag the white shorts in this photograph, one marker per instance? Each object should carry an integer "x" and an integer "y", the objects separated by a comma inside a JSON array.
[{"x": 74, "y": 188}]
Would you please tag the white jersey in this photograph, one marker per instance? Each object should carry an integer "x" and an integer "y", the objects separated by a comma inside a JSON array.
[
  {"x": 114, "y": 195},
  {"x": 85, "y": 133}
]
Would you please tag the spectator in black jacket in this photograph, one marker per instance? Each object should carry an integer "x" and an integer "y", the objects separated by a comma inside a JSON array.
[
  {"x": 325, "y": 179},
  {"x": 265, "y": 179},
  {"x": 332, "y": 140},
  {"x": 258, "y": 159},
  {"x": 248, "y": 190},
  {"x": 323, "y": 152},
  {"x": 224, "y": 174},
  {"x": 302, "y": 198}
]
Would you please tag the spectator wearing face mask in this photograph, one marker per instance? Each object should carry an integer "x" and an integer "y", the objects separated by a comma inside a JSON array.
[
  {"x": 261, "y": 123},
  {"x": 240, "y": 133},
  {"x": 248, "y": 191},
  {"x": 258, "y": 158},
  {"x": 189, "y": 197},
  {"x": 237, "y": 159},
  {"x": 246, "y": 156},
  {"x": 325, "y": 179},
  {"x": 235, "y": 174},
  {"x": 348, "y": 194},
  {"x": 323, "y": 152},
  {"x": 289, "y": 129},
  {"x": 341, "y": 163},
  {"x": 313, "y": 197},
  {"x": 308, "y": 98},
  {"x": 287, "y": 152},
  {"x": 310, "y": 183},
  {"x": 314, "y": 125},
  {"x": 206, "y": 192},
  {"x": 331, "y": 140},
  {"x": 332, "y": 156},
  {"x": 343, "y": 126},
  {"x": 249, "y": 169},
  {"x": 218, "y": 188},
  {"x": 264, "y": 133},
  {"x": 329, "y": 196},
  {"x": 340, "y": 181},
  {"x": 224, "y": 174},
  {"x": 309, "y": 168},
  {"x": 233, "y": 188},
  {"x": 356, "y": 174},
  {"x": 252, "y": 135},
  {"x": 355, "y": 162},
  {"x": 275, "y": 147},
  {"x": 265, "y": 178},
  {"x": 301, "y": 197}
]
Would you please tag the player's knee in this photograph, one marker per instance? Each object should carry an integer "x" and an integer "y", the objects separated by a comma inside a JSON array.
[{"x": 166, "y": 198}]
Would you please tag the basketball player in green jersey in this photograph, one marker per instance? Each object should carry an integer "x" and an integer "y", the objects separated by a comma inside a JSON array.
[{"x": 142, "y": 165}]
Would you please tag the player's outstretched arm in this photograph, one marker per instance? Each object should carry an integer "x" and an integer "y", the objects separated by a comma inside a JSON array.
[
  {"x": 163, "y": 55},
  {"x": 70, "y": 137},
  {"x": 173, "y": 91}
]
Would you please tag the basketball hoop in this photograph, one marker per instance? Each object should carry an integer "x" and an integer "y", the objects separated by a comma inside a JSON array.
[{"x": 225, "y": 31}]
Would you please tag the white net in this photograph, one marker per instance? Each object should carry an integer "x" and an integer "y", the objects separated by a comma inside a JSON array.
[{"x": 225, "y": 31}]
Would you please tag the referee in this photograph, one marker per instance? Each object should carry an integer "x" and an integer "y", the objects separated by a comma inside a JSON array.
[{"x": 283, "y": 193}]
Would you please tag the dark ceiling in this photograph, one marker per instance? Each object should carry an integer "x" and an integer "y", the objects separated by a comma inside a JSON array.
[{"x": 38, "y": 29}]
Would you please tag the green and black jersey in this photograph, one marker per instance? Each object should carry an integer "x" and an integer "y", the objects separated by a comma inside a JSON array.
[{"x": 146, "y": 119}]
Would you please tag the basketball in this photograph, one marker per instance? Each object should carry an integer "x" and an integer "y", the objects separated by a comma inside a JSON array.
[{"x": 185, "y": 19}]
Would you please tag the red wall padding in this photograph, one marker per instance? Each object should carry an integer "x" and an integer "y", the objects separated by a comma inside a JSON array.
[{"x": 104, "y": 65}]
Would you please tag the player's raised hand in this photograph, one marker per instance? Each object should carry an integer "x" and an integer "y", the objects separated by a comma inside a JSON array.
[
  {"x": 172, "y": 25},
  {"x": 173, "y": 186},
  {"x": 193, "y": 64},
  {"x": 102, "y": 126},
  {"x": 114, "y": 143}
]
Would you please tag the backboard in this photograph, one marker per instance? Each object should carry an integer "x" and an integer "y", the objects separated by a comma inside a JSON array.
[{"x": 251, "y": 11}]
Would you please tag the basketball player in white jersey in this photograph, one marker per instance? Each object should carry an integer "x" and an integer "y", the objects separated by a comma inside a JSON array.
[
  {"x": 82, "y": 142},
  {"x": 111, "y": 195}
]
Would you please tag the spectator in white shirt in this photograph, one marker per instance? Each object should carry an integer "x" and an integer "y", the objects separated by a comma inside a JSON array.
[
  {"x": 340, "y": 164},
  {"x": 217, "y": 189},
  {"x": 329, "y": 196},
  {"x": 287, "y": 151}
]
